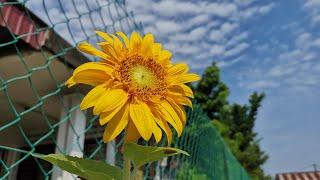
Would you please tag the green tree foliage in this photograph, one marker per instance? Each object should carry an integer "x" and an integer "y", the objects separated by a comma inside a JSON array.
[
  {"x": 212, "y": 94},
  {"x": 235, "y": 122}
]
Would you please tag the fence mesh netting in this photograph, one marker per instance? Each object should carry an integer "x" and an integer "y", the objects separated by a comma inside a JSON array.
[{"x": 38, "y": 114}]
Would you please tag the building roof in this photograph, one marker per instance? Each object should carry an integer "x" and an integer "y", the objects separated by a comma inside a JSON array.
[
  {"x": 18, "y": 22},
  {"x": 312, "y": 175},
  {"x": 22, "y": 24}
]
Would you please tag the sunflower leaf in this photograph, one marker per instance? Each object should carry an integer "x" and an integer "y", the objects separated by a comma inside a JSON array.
[
  {"x": 141, "y": 155},
  {"x": 85, "y": 168}
]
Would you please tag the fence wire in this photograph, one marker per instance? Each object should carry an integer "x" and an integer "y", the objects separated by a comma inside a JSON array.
[{"x": 38, "y": 114}]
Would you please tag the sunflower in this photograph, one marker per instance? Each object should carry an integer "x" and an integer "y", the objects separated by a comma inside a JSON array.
[{"x": 136, "y": 87}]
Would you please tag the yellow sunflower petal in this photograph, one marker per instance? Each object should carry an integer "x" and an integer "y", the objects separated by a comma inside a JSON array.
[
  {"x": 117, "y": 44},
  {"x": 182, "y": 89},
  {"x": 90, "y": 77},
  {"x": 164, "y": 57},
  {"x": 169, "y": 114},
  {"x": 157, "y": 133},
  {"x": 89, "y": 49},
  {"x": 124, "y": 38},
  {"x": 179, "y": 110},
  {"x": 105, "y": 36},
  {"x": 110, "y": 51},
  {"x": 183, "y": 78},
  {"x": 93, "y": 96},
  {"x": 106, "y": 116},
  {"x": 177, "y": 69},
  {"x": 165, "y": 127},
  {"x": 154, "y": 127},
  {"x": 117, "y": 124},
  {"x": 156, "y": 48},
  {"x": 180, "y": 99},
  {"x": 135, "y": 41},
  {"x": 139, "y": 116},
  {"x": 132, "y": 134},
  {"x": 70, "y": 82},
  {"x": 146, "y": 46},
  {"x": 94, "y": 66},
  {"x": 110, "y": 100},
  {"x": 183, "y": 115}
]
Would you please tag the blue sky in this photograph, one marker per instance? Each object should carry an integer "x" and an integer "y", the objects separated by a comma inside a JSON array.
[
  {"x": 264, "y": 46},
  {"x": 260, "y": 45}
]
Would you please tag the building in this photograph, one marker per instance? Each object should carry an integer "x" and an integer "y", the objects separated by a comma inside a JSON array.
[{"x": 311, "y": 175}]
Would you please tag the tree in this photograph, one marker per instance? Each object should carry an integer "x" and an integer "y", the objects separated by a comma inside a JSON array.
[
  {"x": 235, "y": 122},
  {"x": 249, "y": 152},
  {"x": 212, "y": 94}
]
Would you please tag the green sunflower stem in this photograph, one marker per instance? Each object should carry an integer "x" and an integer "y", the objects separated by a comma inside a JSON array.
[{"x": 127, "y": 169}]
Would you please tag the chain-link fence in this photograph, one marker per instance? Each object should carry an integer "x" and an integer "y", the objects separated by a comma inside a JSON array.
[
  {"x": 210, "y": 158},
  {"x": 38, "y": 114}
]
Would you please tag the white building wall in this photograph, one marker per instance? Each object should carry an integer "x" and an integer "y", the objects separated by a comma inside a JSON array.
[{"x": 71, "y": 136}]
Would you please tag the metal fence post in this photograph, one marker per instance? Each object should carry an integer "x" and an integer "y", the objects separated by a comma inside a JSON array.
[{"x": 111, "y": 153}]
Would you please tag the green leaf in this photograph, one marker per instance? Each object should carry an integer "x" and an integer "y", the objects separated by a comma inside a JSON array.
[
  {"x": 85, "y": 168},
  {"x": 141, "y": 155}
]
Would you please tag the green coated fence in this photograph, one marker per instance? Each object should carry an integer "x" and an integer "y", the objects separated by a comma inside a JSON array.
[
  {"x": 210, "y": 158},
  {"x": 38, "y": 114}
]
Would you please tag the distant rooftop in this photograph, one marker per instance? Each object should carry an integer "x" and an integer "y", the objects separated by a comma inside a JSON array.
[{"x": 311, "y": 175}]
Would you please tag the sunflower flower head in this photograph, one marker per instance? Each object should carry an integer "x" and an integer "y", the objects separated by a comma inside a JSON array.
[{"x": 136, "y": 87}]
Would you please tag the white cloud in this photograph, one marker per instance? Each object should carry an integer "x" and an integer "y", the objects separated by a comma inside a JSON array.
[
  {"x": 315, "y": 19},
  {"x": 199, "y": 30},
  {"x": 224, "y": 64},
  {"x": 140, "y": 7},
  {"x": 175, "y": 8},
  {"x": 217, "y": 50},
  {"x": 237, "y": 38},
  {"x": 194, "y": 35},
  {"x": 296, "y": 68},
  {"x": 197, "y": 20},
  {"x": 236, "y": 50},
  {"x": 216, "y": 35},
  {"x": 168, "y": 26},
  {"x": 153, "y": 30},
  {"x": 262, "y": 84},
  {"x": 312, "y": 9},
  {"x": 291, "y": 55},
  {"x": 310, "y": 56},
  {"x": 303, "y": 40},
  {"x": 312, "y": 3},
  {"x": 228, "y": 27},
  {"x": 316, "y": 42},
  {"x": 267, "y": 8},
  {"x": 220, "y": 9},
  {"x": 244, "y": 3},
  {"x": 256, "y": 10},
  {"x": 262, "y": 47},
  {"x": 225, "y": 29},
  {"x": 187, "y": 49},
  {"x": 278, "y": 71},
  {"x": 303, "y": 81},
  {"x": 145, "y": 18}
]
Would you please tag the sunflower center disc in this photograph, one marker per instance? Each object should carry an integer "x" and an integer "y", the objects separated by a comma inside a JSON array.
[{"x": 142, "y": 76}]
